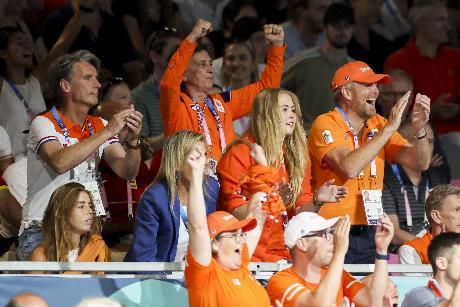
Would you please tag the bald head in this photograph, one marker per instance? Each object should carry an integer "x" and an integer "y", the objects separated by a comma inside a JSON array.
[{"x": 27, "y": 299}]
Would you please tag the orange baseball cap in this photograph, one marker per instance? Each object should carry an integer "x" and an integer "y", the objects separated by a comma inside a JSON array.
[
  {"x": 357, "y": 71},
  {"x": 221, "y": 221}
]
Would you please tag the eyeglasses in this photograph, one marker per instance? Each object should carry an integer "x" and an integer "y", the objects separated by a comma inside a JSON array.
[
  {"x": 238, "y": 236},
  {"x": 327, "y": 234}
]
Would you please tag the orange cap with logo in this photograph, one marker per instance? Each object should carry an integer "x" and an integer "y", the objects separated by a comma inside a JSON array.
[
  {"x": 357, "y": 72},
  {"x": 221, "y": 221}
]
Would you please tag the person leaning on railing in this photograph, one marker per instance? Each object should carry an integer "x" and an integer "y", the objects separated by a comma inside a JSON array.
[{"x": 220, "y": 247}]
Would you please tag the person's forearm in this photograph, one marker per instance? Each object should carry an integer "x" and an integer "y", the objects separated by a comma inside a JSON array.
[
  {"x": 62, "y": 45},
  {"x": 254, "y": 235},
  {"x": 379, "y": 281},
  {"x": 130, "y": 165},
  {"x": 69, "y": 157},
  {"x": 331, "y": 282},
  {"x": 271, "y": 76},
  {"x": 357, "y": 160},
  {"x": 196, "y": 209}
]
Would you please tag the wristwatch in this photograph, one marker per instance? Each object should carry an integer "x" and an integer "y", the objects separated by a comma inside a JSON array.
[
  {"x": 137, "y": 146},
  {"x": 382, "y": 257}
]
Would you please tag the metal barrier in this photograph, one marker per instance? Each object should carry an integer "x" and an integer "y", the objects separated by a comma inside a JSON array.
[{"x": 145, "y": 267}]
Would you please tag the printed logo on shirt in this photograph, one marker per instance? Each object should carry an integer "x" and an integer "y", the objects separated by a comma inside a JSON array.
[
  {"x": 219, "y": 105},
  {"x": 327, "y": 136},
  {"x": 236, "y": 282}
]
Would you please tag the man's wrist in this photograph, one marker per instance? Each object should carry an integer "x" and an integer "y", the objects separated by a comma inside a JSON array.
[
  {"x": 316, "y": 203},
  {"x": 278, "y": 44},
  {"x": 133, "y": 144},
  {"x": 382, "y": 254}
]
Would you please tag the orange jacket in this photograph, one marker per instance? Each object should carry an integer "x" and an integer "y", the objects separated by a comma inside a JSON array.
[
  {"x": 95, "y": 251},
  {"x": 176, "y": 106}
]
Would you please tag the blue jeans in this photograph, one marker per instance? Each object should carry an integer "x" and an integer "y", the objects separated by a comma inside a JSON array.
[{"x": 28, "y": 240}]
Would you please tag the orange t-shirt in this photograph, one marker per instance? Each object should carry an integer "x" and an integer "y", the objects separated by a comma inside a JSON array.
[
  {"x": 230, "y": 169},
  {"x": 330, "y": 131},
  {"x": 213, "y": 285},
  {"x": 177, "y": 108},
  {"x": 421, "y": 246},
  {"x": 287, "y": 286}
]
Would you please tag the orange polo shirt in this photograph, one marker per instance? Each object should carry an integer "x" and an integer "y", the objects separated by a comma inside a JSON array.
[
  {"x": 333, "y": 124},
  {"x": 177, "y": 109},
  {"x": 230, "y": 169},
  {"x": 214, "y": 285},
  {"x": 431, "y": 77},
  {"x": 286, "y": 287}
]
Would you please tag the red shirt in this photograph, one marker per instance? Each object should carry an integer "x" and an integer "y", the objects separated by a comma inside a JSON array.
[{"x": 431, "y": 77}]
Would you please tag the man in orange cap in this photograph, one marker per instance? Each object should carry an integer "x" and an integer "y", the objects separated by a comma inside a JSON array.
[{"x": 351, "y": 144}]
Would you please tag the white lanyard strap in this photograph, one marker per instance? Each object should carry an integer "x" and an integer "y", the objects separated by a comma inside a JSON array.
[{"x": 356, "y": 142}]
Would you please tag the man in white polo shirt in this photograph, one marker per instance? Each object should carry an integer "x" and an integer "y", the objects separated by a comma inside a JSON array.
[{"x": 66, "y": 144}]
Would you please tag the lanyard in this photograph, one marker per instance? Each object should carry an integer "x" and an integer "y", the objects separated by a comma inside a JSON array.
[
  {"x": 30, "y": 113},
  {"x": 406, "y": 198},
  {"x": 370, "y": 135},
  {"x": 130, "y": 199},
  {"x": 433, "y": 285},
  {"x": 203, "y": 125},
  {"x": 183, "y": 216},
  {"x": 65, "y": 132}
]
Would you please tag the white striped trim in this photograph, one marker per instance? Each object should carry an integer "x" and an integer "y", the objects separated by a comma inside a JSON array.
[
  {"x": 351, "y": 283},
  {"x": 291, "y": 288},
  {"x": 44, "y": 140},
  {"x": 291, "y": 296}
]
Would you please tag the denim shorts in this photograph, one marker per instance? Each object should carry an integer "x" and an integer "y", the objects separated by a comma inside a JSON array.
[{"x": 28, "y": 240}]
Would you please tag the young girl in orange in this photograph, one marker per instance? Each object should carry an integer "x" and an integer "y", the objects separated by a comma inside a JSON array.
[{"x": 276, "y": 126}]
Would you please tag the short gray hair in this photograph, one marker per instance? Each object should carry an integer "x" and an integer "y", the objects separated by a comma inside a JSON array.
[
  {"x": 338, "y": 92},
  {"x": 62, "y": 67}
]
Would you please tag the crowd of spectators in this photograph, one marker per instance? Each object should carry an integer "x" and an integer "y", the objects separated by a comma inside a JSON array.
[{"x": 219, "y": 132}]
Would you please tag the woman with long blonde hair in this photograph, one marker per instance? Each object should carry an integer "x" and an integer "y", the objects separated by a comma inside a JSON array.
[
  {"x": 161, "y": 228},
  {"x": 71, "y": 231},
  {"x": 276, "y": 126}
]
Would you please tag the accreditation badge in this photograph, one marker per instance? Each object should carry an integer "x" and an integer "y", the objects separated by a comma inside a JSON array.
[
  {"x": 372, "y": 200},
  {"x": 93, "y": 188}
]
